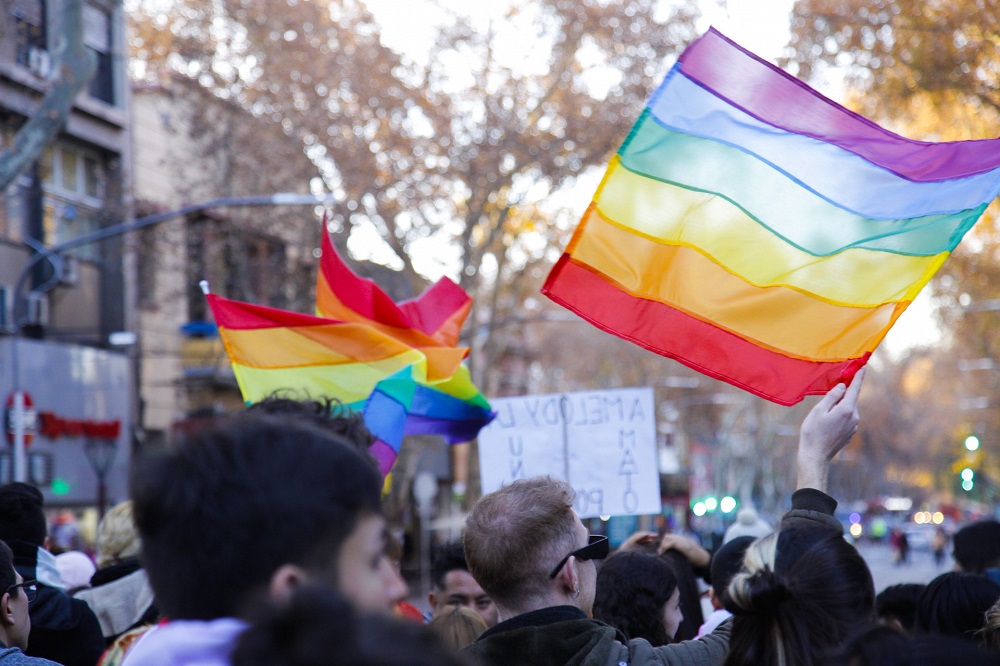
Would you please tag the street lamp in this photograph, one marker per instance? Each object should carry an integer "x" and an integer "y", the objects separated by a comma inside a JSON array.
[
  {"x": 100, "y": 452},
  {"x": 52, "y": 254}
]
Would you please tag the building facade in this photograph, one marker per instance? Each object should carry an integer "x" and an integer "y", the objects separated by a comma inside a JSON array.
[{"x": 58, "y": 329}]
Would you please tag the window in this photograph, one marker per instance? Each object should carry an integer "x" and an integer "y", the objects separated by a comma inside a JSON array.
[
  {"x": 97, "y": 36},
  {"x": 29, "y": 31},
  {"x": 73, "y": 187}
]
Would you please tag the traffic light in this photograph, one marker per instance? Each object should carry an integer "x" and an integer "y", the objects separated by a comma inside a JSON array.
[{"x": 967, "y": 479}]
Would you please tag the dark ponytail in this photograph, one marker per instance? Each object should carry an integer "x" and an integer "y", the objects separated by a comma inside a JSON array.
[{"x": 802, "y": 591}]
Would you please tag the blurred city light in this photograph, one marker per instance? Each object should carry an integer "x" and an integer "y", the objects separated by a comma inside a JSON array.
[
  {"x": 972, "y": 442},
  {"x": 897, "y": 503},
  {"x": 967, "y": 474},
  {"x": 711, "y": 504},
  {"x": 728, "y": 504},
  {"x": 855, "y": 530},
  {"x": 966, "y": 486},
  {"x": 855, "y": 518},
  {"x": 938, "y": 517},
  {"x": 698, "y": 509}
]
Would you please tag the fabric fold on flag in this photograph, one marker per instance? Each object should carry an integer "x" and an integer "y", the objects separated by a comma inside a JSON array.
[
  {"x": 433, "y": 318},
  {"x": 371, "y": 369},
  {"x": 828, "y": 169},
  {"x": 771, "y": 94},
  {"x": 762, "y": 234}
]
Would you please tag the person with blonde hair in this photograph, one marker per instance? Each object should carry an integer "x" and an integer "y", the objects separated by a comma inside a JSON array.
[
  {"x": 119, "y": 593},
  {"x": 458, "y": 626},
  {"x": 990, "y": 633}
]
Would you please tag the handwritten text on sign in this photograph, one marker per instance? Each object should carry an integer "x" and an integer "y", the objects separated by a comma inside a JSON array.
[{"x": 610, "y": 437}]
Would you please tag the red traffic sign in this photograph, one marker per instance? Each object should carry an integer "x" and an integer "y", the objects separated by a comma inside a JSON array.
[{"x": 29, "y": 418}]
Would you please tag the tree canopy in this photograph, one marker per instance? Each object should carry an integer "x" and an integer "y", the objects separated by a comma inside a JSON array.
[{"x": 443, "y": 166}]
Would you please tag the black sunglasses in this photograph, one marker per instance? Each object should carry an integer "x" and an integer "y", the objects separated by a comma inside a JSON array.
[
  {"x": 597, "y": 548},
  {"x": 30, "y": 588}
]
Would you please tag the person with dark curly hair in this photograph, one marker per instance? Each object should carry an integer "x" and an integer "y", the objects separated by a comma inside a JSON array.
[
  {"x": 453, "y": 585},
  {"x": 637, "y": 594},
  {"x": 325, "y": 413},
  {"x": 802, "y": 592}
]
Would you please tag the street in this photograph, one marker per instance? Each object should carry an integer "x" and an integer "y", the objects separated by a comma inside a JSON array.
[{"x": 920, "y": 569}]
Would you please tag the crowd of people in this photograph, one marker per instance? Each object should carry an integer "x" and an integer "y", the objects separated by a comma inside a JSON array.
[{"x": 260, "y": 539}]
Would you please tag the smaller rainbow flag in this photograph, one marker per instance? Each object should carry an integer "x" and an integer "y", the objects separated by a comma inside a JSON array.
[
  {"x": 434, "y": 318},
  {"x": 762, "y": 234},
  {"x": 365, "y": 363}
]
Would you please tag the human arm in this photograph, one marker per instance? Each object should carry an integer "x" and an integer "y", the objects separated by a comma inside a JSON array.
[
  {"x": 709, "y": 649},
  {"x": 825, "y": 431},
  {"x": 638, "y": 539},
  {"x": 695, "y": 554}
]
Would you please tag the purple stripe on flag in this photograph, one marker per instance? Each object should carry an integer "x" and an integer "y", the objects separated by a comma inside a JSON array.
[
  {"x": 453, "y": 431},
  {"x": 774, "y": 96},
  {"x": 384, "y": 454}
]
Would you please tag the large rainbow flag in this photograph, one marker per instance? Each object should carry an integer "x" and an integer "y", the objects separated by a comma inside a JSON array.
[
  {"x": 377, "y": 359},
  {"x": 762, "y": 234}
]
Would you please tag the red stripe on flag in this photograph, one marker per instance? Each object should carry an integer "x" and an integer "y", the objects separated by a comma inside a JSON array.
[
  {"x": 238, "y": 315},
  {"x": 695, "y": 343}
]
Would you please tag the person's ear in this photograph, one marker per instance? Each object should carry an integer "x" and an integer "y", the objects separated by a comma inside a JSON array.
[
  {"x": 432, "y": 599},
  {"x": 7, "y": 618},
  {"x": 569, "y": 578},
  {"x": 284, "y": 581}
]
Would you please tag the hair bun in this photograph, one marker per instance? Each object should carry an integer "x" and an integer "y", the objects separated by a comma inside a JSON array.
[{"x": 766, "y": 591}]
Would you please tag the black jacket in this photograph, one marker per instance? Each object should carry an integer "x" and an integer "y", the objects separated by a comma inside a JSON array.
[
  {"x": 564, "y": 636},
  {"x": 63, "y": 629}
]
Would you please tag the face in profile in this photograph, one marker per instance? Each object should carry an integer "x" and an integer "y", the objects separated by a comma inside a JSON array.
[
  {"x": 366, "y": 574},
  {"x": 672, "y": 615},
  {"x": 15, "y": 617}
]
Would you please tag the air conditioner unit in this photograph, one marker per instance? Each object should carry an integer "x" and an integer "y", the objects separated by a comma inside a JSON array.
[
  {"x": 37, "y": 309},
  {"x": 70, "y": 273},
  {"x": 40, "y": 63},
  {"x": 6, "y": 308}
]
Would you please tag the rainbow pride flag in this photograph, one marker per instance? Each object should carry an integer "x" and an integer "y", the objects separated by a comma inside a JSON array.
[
  {"x": 401, "y": 389},
  {"x": 762, "y": 234},
  {"x": 434, "y": 318}
]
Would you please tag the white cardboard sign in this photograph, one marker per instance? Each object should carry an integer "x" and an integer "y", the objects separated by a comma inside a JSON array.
[{"x": 610, "y": 438}]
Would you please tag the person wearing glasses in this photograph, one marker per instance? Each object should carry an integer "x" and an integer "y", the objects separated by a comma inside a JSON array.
[
  {"x": 15, "y": 623},
  {"x": 532, "y": 554},
  {"x": 63, "y": 629}
]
